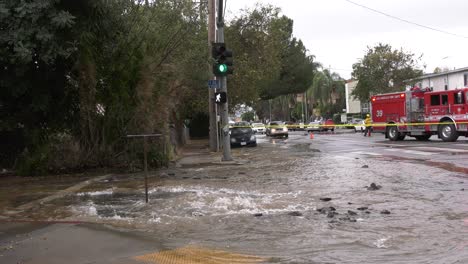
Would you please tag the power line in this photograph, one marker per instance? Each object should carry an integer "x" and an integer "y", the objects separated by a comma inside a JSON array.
[{"x": 407, "y": 21}]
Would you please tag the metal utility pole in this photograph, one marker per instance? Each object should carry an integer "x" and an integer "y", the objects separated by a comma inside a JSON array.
[
  {"x": 306, "y": 108},
  {"x": 214, "y": 146},
  {"x": 269, "y": 102},
  {"x": 223, "y": 88}
]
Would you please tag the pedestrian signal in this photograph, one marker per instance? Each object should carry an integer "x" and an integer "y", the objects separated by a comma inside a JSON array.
[{"x": 220, "y": 97}]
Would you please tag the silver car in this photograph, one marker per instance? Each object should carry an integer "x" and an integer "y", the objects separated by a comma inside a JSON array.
[
  {"x": 276, "y": 129},
  {"x": 258, "y": 128}
]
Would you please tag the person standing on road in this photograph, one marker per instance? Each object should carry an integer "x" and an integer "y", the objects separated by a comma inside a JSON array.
[{"x": 368, "y": 124}]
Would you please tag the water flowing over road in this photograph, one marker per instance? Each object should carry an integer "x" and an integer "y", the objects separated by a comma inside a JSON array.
[{"x": 293, "y": 202}]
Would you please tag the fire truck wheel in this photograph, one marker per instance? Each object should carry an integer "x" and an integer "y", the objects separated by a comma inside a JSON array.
[
  {"x": 448, "y": 133},
  {"x": 392, "y": 133}
]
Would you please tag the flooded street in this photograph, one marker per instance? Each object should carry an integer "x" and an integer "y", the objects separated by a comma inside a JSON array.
[{"x": 293, "y": 202}]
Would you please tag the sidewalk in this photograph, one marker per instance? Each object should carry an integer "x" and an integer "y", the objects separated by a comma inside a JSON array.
[{"x": 197, "y": 153}]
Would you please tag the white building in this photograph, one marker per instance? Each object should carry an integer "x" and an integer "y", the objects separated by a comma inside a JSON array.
[
  {"x": 353, "y": 105},
  {"x": 449, "y": 80}
]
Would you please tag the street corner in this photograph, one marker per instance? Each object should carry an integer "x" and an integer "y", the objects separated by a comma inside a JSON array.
[{"x": 198, "y": 255}]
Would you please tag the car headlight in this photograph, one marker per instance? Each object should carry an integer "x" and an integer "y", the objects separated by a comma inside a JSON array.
[
  {"x": 233, "y": 140},
  {"x": 273, "y": 130},
  {"x": 252, "y": 138},
  {"x": 285, "y": 129}
]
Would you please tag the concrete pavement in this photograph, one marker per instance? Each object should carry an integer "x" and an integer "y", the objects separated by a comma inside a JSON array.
[{"x": 58, "y": 243}]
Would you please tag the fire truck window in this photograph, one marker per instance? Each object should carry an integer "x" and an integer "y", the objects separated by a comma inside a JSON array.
[
  {"x": 445, "y": 99},
  {"x": 435, "y": 99},
  {"x": 459, "y": 98}
]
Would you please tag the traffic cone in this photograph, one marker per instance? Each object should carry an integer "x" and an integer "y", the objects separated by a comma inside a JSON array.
[{"x": 311, "y": 135}]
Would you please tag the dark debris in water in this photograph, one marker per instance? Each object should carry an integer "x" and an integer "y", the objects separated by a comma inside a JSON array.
[
  {"x": 385, "y": 212},
  {"x": 332, "y": 214},
  {"x": 325, "y": 199},
  {"x": 295, "y": 213},
  {"x": 324, "y": 210},
  {"x": 351, "y": 212},
  {"x": 373, "y": 187}
]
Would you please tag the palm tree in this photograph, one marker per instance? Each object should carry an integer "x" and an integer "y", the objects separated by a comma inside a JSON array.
[{"x": 326, "y": 90}]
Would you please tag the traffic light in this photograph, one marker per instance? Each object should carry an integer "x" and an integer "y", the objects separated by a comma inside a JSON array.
[
  {"x": 220, "y": 98},
  {"x": 222, "y": 65}
]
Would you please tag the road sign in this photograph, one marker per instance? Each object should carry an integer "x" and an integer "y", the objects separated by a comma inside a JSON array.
[{"x": 213, "y": 84}]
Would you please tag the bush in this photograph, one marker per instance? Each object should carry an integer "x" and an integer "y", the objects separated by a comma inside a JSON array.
[{"x": 33, "y": 163}]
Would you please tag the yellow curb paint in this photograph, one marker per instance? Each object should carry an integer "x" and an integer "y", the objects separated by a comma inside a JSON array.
[{"x": 197, "y": 255}]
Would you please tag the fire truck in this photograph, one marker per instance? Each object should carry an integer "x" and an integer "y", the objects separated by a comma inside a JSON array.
[{"x": 421, "y": 113}]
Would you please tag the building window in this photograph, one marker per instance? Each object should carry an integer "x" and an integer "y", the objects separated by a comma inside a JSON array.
[
  {"x": 465, "y": 79},
  {"x": 435, "y": 99},
  {"x": 446, "y": 87}
]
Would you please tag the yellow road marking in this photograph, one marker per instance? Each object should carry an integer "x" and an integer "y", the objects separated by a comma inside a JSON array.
[{"x": 197, "y": 255}]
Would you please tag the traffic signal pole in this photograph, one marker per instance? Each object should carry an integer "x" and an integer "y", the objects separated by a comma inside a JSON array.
[
  {"x": 223, "y": 108},
  {"x": 214, "y": 144}
]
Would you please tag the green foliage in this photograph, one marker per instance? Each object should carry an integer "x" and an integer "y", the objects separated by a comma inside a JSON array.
[
  {"x": 298, "y": 111},
  {"x": 384, "y": 70},
  {"x": 34, "y": 163},
  {"x": 248, "y": 116},
  {"x": 269, "y": 62},
  {"x": 328, "y": 90},
  {"x": 98, "y": 70}
]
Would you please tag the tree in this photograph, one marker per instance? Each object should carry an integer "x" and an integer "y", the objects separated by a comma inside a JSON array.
[
  {"x": 328, "y": 91},
  {"x": 248, "y": 116},
  {"x": 384, "y": 70},
  {"x": 63, "y": 60},
  {"x": 269, "y": 61}
]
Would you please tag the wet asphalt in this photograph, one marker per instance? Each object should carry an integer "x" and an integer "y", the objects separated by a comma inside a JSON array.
[{"x": 333, "y": 198}]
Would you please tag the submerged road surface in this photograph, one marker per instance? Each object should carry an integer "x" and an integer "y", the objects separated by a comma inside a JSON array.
[{"x": 336, "y": 198}]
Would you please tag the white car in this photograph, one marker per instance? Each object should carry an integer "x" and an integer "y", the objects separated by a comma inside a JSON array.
[
  {"x": 360, "y": 127},
  {"x": 258, "y": 128},
  {"x": 313, "y": 126}
]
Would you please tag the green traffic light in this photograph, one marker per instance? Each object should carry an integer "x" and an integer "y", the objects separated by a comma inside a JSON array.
[{"x": 222, "y": 68}]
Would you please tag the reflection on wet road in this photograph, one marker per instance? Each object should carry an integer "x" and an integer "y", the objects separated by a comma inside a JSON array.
[{"x": 299, "y": 200}]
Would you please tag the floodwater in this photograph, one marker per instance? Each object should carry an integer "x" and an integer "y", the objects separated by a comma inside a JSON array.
[{"x": 274, "y": 207}]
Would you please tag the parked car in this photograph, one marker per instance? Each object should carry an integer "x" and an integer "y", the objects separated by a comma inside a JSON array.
[
  {"x": 242, "y": 136},
  {"x": 356, "y": 121},
  {"x": 321, "y": 125},
  {"x": 290, "y": 125},
  {"x": 298, "y": 126},
  {"x": 277, "y": 128},
  {"x": 258, "y": 128},
  {"x": 242, "y": 124},
  {"x": 360, "y": 126}
]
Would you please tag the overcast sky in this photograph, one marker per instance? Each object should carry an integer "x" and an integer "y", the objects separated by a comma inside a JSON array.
[{"x": 337, "y": 32}]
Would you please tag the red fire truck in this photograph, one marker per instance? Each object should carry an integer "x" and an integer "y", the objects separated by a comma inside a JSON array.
[{"x": 421, "y": 113}]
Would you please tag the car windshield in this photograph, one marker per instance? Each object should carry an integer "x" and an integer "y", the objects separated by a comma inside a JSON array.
[{"x": 240, "y": 130}]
